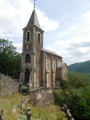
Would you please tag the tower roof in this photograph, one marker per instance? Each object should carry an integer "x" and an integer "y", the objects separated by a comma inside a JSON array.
[{"x": 33, "y": 20}]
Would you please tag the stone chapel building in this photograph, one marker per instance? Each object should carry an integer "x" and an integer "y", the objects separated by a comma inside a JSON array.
[{"x": 40, "y": 67}]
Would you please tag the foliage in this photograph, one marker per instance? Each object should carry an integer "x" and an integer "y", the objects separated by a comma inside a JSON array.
[
  {"x": 61, "y": 115},
  {"x": 8, "y": 104},
  {"x": 76, "y": 80},
  {"x": 76, "y": 95},
  {"x": 10, "y": 60},
  {"x": 83, "y": 67},
  {"x": 47, "y": 113}
]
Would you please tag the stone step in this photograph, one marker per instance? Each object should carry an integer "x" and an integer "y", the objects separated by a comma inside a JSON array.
[{"x": 24, "y": 91}]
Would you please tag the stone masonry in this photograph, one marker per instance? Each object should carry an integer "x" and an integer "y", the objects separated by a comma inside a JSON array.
[
  {"x": 42, "y": 97},
  {"x": 39, "y": 66},
  {"x": 8, "y": 86}
]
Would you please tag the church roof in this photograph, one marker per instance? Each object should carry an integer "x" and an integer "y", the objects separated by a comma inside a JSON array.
[
  {"x": 33, "y": 20},
  {"x": 50, "y": 52}
]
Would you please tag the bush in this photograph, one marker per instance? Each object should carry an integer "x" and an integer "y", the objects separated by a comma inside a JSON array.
[
  {"x": 76, "y": 95},
  {"x": 76, "y": 80}
]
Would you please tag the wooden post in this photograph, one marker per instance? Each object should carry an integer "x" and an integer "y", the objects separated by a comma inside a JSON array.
[
  {"x": 28, "y": 88},
  {"x": 20, "y": 87},
  {"x": 1, "y": 116},
  {"x": 28, "y": 114}
]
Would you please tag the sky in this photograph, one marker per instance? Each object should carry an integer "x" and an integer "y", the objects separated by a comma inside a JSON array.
[{"x": 66, "y": 25}]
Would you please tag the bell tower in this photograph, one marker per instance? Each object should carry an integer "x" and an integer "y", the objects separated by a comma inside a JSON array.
[{"x": 31, "y": 52}]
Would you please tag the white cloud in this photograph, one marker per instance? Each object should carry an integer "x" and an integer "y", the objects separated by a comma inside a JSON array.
[
  {"x": 14, "y": 16},
  {"x": 74, "y": 44},
  {"x": 74, "y": 50},
  {"x": 47, "y": 23},
  {"x": 18, "y": 46},
  {"x": 86, "y": 17},
  {"x": 79, "y": 28}
]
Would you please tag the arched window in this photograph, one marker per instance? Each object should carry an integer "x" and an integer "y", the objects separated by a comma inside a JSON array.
[
  {"x": 39, "y": 37},
  {"x": 27, "y": 59},
  {"x": 28, "y": 36},
  {"x": 48, "y": 66},
  {"x": 54, "y": 67}
]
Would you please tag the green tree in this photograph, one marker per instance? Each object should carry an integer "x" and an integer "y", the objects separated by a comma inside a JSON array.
[
  {"x": 76, "y": 95},
  {"x": 76, "y": 80},
  {"x": 10, "y": 60}
]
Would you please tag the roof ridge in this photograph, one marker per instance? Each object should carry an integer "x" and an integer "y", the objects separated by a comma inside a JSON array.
[{"x": 51, "y": 52}]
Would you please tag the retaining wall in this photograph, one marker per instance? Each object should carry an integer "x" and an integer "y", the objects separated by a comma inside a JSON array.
[
  {"x": 42, "y": 97},
  {"x": 8, "y": 86}
]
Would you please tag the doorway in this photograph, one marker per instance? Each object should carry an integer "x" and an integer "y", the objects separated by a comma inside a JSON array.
[{"x": 27, "y": 75}]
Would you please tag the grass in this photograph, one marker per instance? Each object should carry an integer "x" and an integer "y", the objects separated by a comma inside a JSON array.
[
  {"x": 46, "y": 113},
  {"x": 8, "y": 103}
]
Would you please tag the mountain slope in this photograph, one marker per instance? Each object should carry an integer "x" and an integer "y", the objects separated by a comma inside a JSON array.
[{"x": 83, "y": 67}]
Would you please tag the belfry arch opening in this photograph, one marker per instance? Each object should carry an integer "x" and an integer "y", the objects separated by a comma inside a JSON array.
[
  {"x": 27, "y": 58},
  {"x": 28, "y": 36},
  {"x": 27, "y": 75},
  {"x": 39, "y": 37}
]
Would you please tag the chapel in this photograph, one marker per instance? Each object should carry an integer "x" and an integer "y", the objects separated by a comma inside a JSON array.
[{"x": 39, "y": 67}]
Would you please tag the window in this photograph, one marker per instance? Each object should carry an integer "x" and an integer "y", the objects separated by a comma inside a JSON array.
[
  {"x": 27, "y": 75},
  {"x": 27, "y": 59},
  {"x": 54, "y": 66},
  {"x": 46, "y": 63},
  {"x": 57, "y": 62},
  {"x": 48, "y": 66},
  {"x": 28, "y": 36},
  {"x": 39, "y": 37}
]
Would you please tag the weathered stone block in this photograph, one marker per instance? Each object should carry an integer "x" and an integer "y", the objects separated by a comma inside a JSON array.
[{"x": 8, "y": 86}]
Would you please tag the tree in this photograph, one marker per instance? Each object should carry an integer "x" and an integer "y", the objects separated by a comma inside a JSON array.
[
  {"x": 10, "y": 60},
  {"x": 76, "y": 80},
  {"x": 76, "y": 95}
]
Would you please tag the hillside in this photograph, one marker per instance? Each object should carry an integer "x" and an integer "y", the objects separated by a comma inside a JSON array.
[
  {"x": 83, "y": 67},
  {"x": 12, "y": 111}
]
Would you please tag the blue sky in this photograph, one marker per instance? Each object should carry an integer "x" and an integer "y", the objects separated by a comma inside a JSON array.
[{"x": 66, "y": 24}]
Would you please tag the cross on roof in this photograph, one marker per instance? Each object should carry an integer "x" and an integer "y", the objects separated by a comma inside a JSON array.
[{"x": 34, "y": 3}]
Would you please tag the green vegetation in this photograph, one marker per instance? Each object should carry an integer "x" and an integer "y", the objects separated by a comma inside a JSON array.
[
  {"x": 11, "y": 106},
  {"x": 10, "y": 60},
  {"x": 83, "y": 67},
  {"x": 8, "y": 104},
  {"x": 76, "y": 95},
  {"x": 47, "y": 113}
]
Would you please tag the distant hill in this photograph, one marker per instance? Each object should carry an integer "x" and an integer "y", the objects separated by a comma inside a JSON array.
[{"x": 83, "y": 67}]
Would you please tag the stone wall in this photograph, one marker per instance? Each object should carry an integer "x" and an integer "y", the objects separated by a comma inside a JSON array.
[
  {"x": 8, "y": 86},
  {"x": 35, "y": 65},
  {"x": 42, "y": 97},
  {"x": 61, "y": 73},
  {"x": 64, "y": 72},
  {"x": 49, "y": 75},
  {"x": 38, "y": 47}
]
